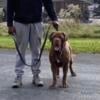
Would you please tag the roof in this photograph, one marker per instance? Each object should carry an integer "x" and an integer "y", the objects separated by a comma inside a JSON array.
[{"x": 88, "y": 1}]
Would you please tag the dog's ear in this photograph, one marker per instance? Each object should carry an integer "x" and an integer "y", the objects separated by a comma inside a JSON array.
[
  {"x": 63, "y": 36},
  {"x": 51, "y": 36}
]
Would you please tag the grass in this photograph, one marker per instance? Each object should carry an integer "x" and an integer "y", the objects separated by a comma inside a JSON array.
[
  {"x": 6, "y": 42},
  {"x": 82, "y": 37},
  {"x": 77, "y": 30},
  {"x": 86, "y": 45},
  {"x": 82, "y": 45}
]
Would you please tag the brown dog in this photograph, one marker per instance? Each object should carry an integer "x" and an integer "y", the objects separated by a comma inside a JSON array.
[{"x": 60, "y": 56}]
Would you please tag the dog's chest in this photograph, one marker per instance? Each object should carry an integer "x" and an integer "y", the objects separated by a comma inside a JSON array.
[{"x": 58, "y": 59}]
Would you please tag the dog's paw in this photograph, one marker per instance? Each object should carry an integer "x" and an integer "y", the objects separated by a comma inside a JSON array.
[
  {"x": 52, "y": 86},
  {"x": 65, "y": 85}
]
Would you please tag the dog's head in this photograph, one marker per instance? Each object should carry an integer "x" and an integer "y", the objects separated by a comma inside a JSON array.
[{"x": 57, "y": 39}]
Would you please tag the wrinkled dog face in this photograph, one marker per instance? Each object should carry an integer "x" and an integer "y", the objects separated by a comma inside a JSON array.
[{"x": 57, "y": 40}]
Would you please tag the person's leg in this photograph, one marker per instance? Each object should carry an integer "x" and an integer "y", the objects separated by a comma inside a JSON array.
[
  {"x": 22, "y": 37},
  {"x": 35, "y": 44}
]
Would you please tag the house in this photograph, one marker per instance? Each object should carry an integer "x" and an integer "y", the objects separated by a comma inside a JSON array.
[{"x": 58, "y": 4}]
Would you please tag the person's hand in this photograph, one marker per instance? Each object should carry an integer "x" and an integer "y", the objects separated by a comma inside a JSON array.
[
  {"x": 55, "y": 25},
  {"x": 11, "y": 30}
]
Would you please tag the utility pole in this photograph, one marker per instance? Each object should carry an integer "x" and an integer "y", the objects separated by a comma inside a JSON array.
[{"x": 64, "y": 3}]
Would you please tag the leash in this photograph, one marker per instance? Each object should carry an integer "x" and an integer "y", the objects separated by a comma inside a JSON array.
[{"x": 41, "y": 50}]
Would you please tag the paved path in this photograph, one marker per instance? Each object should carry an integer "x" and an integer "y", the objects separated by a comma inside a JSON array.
[{"x": 86, "y": 86}]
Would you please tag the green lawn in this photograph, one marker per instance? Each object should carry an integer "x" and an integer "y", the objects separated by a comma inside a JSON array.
[
  {"x": 82, "y": 37},
  {"x": 6, "y": 42},
  {"x": 85, "y": 45}
]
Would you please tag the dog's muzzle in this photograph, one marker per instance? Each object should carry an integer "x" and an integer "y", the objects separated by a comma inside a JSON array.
[
  {"x": 56, "y": 48},
  {"x": 57, "y": 44}
]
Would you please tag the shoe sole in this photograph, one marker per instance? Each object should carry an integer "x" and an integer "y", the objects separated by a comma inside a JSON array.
[
  {"x": 17, "y": 86},
  {"x": 38, "y": 85}
]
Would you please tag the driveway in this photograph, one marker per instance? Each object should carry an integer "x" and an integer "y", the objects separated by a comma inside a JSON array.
[{"x": 86, "y": 86}]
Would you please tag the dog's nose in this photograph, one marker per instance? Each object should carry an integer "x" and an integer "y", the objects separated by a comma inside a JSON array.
[{"x": 57, "y": 41}]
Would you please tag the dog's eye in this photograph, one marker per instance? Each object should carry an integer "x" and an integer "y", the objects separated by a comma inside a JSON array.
[
  {"x": 63, "y": 36},
  {"x": 51, "y": 36}
]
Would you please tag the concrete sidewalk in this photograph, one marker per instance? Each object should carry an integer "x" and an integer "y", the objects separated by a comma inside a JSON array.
[{"x": 86, "y": 86}]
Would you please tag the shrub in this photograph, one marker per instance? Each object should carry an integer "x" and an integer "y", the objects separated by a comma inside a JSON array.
[{"x": 72, "y": 11}]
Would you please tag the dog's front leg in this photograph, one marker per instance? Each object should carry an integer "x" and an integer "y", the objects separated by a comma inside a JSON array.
[
  {"x": 65, "y": 71},
  {"x": 54, "y": 81}
]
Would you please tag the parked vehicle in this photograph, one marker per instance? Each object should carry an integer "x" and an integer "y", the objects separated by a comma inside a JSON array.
[{"x": 97, "y": 11}]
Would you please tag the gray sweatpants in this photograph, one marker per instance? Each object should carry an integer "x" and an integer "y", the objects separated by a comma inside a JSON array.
[{"x": 28, "y": 34}]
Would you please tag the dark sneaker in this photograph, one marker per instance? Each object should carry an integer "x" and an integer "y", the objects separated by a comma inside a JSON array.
[
  {"x": 37, "y": 82},
  {"x": 17, "y": 83}
]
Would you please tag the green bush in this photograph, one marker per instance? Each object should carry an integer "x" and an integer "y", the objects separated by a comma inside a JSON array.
[
  {"x": 3, "y": 30},
  {"x": 79, "y": 30},
  {"x": 72, "y": 12}
]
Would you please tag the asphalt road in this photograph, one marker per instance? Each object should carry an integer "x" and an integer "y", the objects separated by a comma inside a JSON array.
[{"x": 86, "y": 86}]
